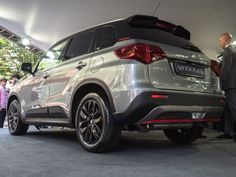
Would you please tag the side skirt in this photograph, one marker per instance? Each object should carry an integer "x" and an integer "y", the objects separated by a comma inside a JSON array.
[{"x": 63, "y": 122}]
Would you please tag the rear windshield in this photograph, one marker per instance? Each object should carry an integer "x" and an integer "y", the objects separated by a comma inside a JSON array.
[{"x": 164, "y": 37}]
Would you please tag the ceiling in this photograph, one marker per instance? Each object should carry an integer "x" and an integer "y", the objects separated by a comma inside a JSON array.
[{"x": 47, "y": 21}]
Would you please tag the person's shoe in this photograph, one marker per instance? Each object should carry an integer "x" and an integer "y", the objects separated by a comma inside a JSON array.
[
  {"x": 234, "y": 137},
  {"x": 224, "y": 136},
  {"x": 202, "y": 136}
]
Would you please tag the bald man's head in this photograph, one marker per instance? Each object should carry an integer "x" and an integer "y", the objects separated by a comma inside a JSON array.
[{"x": 225, "y": 39}]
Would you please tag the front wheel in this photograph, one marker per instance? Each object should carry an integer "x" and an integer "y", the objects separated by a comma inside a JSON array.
[
  {"x": 96, "y": 129},
  {"x": 15, "y": 124},
  {"x": 184, "y": 136}
]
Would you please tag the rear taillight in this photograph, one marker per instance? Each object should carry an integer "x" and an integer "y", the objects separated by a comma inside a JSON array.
[
  {"x": 141, "y": 52},
  {"x": 215, "y": 66}
]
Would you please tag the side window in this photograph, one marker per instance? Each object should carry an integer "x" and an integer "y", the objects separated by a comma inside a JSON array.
[
  {"x": 52, "y": 57},
  {"x": 79, "y": 45},
  {"x": 105, "y": 37}
]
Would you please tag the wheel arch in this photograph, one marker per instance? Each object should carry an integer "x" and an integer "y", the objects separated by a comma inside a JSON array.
[
  {"x": 88, "y": 86},
  {"x": 12, "y": 97}
]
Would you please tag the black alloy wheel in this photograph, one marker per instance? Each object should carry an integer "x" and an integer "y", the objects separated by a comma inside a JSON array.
[
  {"x": 91, "y": 122},
  {"x": 15, "y": 125},
  {"x": 96, "y": 129}
]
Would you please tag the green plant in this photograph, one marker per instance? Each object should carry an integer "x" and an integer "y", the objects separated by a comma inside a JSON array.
[{"x": 12, "y": 56}]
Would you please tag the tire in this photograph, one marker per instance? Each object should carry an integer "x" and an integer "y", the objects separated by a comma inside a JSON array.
[
  {"x": 15, "y": 124},
  {"x": 184, "y": 136},
  {"x": 95, "y": 127}
]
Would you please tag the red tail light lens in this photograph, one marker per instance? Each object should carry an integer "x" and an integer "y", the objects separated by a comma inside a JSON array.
[
  {"x": 215, "y": 66},
  {"x": 141, "y": 52}
]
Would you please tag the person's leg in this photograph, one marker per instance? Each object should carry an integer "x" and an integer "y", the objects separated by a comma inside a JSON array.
[
  {"x": 2, "y": 117},
  {"x": 231, "y": 98},
  {"x": 228, "y": 120},
  {"x": 228, "y": 123}
]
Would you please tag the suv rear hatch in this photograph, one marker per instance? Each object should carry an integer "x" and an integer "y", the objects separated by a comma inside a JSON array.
[{"x": 184, "y": 66}]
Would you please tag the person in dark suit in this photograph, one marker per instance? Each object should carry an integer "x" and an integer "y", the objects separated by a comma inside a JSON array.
[{"x": 228, "y": 83}]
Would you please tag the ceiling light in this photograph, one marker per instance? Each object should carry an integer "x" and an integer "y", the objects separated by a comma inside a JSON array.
[
  {"x": 234, "y": 42},
  {"x": 25, "y": 42},
  {"x": 17, "y": 40}
]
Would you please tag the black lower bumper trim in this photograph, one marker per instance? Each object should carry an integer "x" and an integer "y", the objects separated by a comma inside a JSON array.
[{"x": 175, "y": 106}]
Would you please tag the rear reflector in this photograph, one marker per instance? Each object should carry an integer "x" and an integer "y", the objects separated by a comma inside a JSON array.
[
  {"x": 143, "y": 53},
  {"x": 222, "y": 100},
  {"x": 159, "y": 96}
]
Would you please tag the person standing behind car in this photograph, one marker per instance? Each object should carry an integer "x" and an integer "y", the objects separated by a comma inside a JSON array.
[
  {"x": 228, "y": 82},
  {"x": 3, "y": 101}
]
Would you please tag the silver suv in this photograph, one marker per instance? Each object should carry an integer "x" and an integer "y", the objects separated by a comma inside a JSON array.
[{"x": 139, "y": 73}]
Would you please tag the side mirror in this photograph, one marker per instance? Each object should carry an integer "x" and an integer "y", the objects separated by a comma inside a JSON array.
[{"x": 26, "y": 67}]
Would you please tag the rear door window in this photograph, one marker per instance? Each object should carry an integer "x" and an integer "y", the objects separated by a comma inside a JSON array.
[
  {"x": 79, "y": 45},
  {"x": 105, "y": 37}
]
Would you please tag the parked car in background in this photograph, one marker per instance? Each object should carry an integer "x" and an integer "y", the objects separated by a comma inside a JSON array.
[{"x": 139, "y": 73}]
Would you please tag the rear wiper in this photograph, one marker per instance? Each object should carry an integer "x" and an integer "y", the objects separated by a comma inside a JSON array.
[{"x": 191, "y": 47}]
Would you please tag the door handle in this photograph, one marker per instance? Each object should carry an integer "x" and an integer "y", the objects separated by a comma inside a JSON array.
[
  {"x": 81, "y": 65},
  {"x": 46, "y": 75}
]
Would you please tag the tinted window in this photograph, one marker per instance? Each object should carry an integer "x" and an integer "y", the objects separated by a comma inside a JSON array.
[
  {"x": 52, "y": 57},
  {"x": 105, "y": 37},
  {"x": 79, "y": 45},
  {"x": 162, "y": 37}
]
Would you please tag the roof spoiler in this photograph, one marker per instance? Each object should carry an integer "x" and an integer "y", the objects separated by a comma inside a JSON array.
[{"x": 144, "y": 21}]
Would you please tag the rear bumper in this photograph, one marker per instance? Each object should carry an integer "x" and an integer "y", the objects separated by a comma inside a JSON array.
[{"x": 173, "y": 107}]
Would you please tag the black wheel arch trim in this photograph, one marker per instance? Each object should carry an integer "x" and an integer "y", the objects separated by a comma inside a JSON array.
[
  {"x": 12, "y": 94},
  {"x": 99, "y": 83}
]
